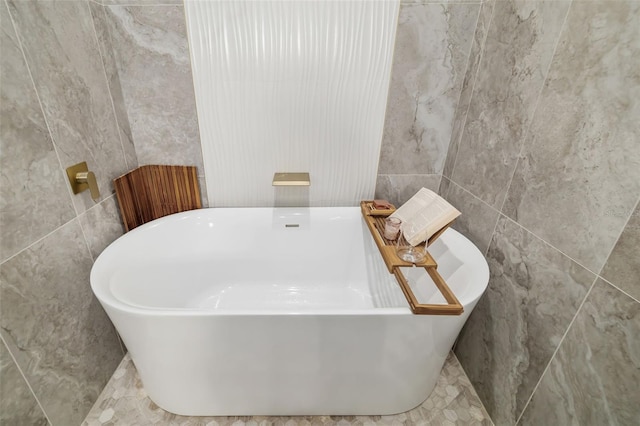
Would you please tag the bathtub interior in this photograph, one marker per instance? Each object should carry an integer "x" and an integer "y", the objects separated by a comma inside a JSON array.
[{"x": 281, "y": 260}]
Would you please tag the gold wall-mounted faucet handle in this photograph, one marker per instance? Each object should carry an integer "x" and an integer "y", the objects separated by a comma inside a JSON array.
[
  {"x": 80, "y": 179},
  {"x": 90, "y": 179}
]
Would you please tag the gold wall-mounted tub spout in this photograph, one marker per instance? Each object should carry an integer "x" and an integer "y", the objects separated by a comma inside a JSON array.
[
  {"x": 291, "y": 179},
  {"x": 80, "y": 179}
]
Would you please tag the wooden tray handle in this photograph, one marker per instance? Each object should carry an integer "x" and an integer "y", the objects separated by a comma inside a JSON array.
[{"x": 453, "y": 306}]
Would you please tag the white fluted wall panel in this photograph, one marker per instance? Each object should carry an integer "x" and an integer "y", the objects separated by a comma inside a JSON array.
[{"x": 291, "y": 86}]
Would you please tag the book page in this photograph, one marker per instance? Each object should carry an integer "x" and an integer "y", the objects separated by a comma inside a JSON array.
[
  {"x": 415, "y": 204},
  {"x": 424, "y": 215}
]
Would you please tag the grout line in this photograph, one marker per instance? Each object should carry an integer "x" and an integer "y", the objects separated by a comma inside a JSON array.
[
  {"x": 65, "y": 179},
  {"x": 473, "y": 195},
  {"x": 597, "y": 276},
  {"x": 493, "y": 233},
  {"x": 439, "y": 183},
  {"x": 551, "y": 245},
  {"x": 86, "y": 240},
  {"x": 56, "y": 230},
  {"x": 475, "y": 80},
  {"x": 619, "y": 289},
  {"x": 112, "y": 195},
  {"x": 443, "y": 177},
  {"x": 444, "y": 166},
  {"x": 524, "y": 409},
  {"x": 84, "y": 234},
  {"x": 106, "y": 80},
  {"x": 486, "y": 252},
  {"x": 25, "y": 379},
  {"x": 523, "y": 227},
  {"x": 631, "y": 214},
  {"x": 525, "y": 135},
  {"x": 38, "y": 241}
]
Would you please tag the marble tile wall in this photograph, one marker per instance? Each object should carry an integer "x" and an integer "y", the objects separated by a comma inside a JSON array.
[
  {"x": 148, "y": 55},
  {"x": 468, "y": 83},
  {"x": 77, "y": 105},
  {"x": 546, "y": 172},
  {"x": 18, "y": 406},
  {"x": 517, "y": 52},
  {"x": 594, "y": 378},
  {"x": 58, "y": 347},
  {"x": 433, "y": 41}
]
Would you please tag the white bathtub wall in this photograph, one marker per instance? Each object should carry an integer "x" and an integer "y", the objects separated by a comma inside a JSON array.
[{"x": 285, "y": 86}]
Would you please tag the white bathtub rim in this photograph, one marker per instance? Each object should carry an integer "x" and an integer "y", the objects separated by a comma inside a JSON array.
[{"x": 104, "y": 294}]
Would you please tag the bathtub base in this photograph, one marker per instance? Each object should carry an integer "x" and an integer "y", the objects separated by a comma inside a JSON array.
[
  {"x": 290, "y": 367},
  {"x": 312, "y": 324}
]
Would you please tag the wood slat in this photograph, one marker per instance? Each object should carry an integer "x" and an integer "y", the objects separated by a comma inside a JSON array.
[{"x": 154, "y": 191}]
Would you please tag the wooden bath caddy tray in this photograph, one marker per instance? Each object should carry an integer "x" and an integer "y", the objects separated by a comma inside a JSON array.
[{"x": 375, "y": 223}]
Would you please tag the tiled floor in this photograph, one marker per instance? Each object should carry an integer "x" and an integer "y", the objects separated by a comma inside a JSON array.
[{"x": 125, "y": 402}]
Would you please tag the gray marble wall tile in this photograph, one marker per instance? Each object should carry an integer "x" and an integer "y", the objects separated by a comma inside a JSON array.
[
  {"x": 534, "y": 292},
  {"x": 57, "y": 331},
  {"x": 430, "y": 59},
  {"x": 34, "y": 199},
  {"x": 62, "y": 52},
  {"x": 113, "y": 79},
  {"x": 478, "y": 219},
  {"x": 516, "y": 57},
  {"x": 102, "y": 225},
  {"x": 623, "y": 266},
  {"x": 575, "y": 171},
  {"x": 594, "y": 379},
  {"x": 399, "y": 188},
  {"x": 151, "y": 41},
  {"x": 18, "y": 406},
  {"x": 473, "y": 63}
]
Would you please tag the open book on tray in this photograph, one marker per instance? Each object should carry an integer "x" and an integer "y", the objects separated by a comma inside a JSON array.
[{"x": 423, "y": 215}]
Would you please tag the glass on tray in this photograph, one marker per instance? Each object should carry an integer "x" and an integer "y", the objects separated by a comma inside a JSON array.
[
  {"x": 392, "y": 228},
  {"x": 406, "y": 251}
]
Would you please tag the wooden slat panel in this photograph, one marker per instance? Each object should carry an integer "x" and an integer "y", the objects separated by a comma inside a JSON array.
[{"x": 153, "y": 191}]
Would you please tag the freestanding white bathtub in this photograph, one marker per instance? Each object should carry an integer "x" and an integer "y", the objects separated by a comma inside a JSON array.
[{"x": 279, "y": 312}]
